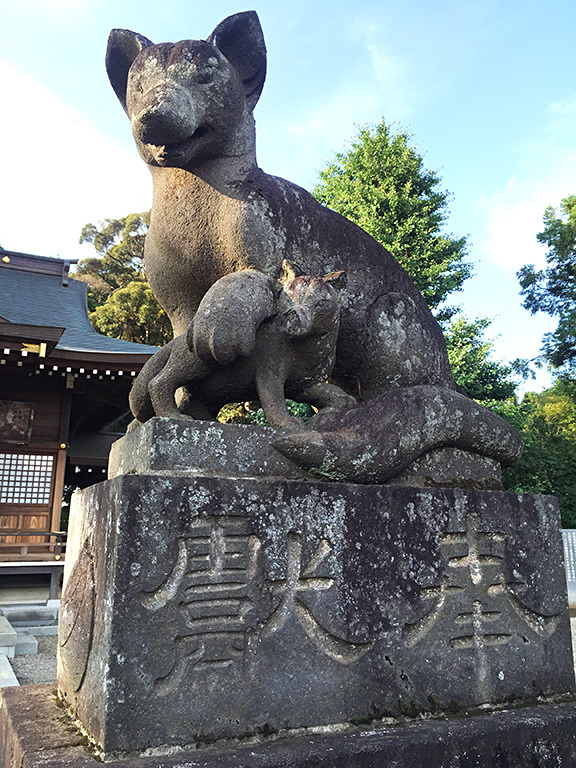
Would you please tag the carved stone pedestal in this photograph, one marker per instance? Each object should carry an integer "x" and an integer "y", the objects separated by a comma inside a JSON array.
[
  {"x": 36, "y": 733},
  {"x": 199, "y": 609}
]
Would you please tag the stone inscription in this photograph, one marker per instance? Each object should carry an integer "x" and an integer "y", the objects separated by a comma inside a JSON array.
[
  {"x": 76, "y": 625},
  {"x": 300, "y": 579},
  {"x": 216, "y": 581},
  {"x": 481, "y": 606},
  {"x": 212, "y": 582}
]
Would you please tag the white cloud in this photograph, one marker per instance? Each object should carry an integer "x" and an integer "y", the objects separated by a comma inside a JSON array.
[
  {"x": 546, "y": 173},
  {"x": 58, "y": 172},
  {"x": 390, "y": 73},
  {"x": 563, "y": 108},
  {"x": 356, "y": 99},
  {"x": 515, "y": 220}
]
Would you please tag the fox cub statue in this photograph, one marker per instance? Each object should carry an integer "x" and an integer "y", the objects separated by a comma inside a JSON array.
[
  {"x": 292, "y": 354},
  {"x": 216, "y": 213}
]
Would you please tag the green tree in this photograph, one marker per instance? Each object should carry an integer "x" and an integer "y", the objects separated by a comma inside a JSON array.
[
  {"x": 119, "y": 244},
  {"x": 481, "y": 377},
  {"x": 547, "y": 422},
  {"x": 132, "y": 313},
  {"x": 553, "y": 290},
  {"x": 381, "y": 184},
  {"x": 120, "y": 301}
]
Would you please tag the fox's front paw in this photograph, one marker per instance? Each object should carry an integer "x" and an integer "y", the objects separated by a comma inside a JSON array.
[{"x": 229, "y": 315}]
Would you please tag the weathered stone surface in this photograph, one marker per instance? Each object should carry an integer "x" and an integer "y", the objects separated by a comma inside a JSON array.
[
  {"x": 205, "y": 608},
  {"x": 228, "y": 215},
  {"x": 290, "y": 353},
  {"x": 32, "y": 725},
  {"x": 452, "y": 468},
  {"x": 238, "y": 450},
  {"x": 374, "y": 442},
  {"x": 177, "y": 446},
  {"x": 533, "y": 737},
  {"x": 217, "y": 214}
]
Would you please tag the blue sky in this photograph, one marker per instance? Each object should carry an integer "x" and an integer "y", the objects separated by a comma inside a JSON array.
[{"x": 487, "y": 88}]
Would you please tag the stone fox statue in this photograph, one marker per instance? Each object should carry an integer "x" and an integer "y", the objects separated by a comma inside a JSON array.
[
  {"x": 216, "y": 213},
  {"x": 292, "y": 354}
]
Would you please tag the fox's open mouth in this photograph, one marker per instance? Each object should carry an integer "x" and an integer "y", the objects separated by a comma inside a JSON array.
[{"x": 176, "y": 148}]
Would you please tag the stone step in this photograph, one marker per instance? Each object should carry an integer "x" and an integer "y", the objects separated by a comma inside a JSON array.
[
  {"x": 31, "y": 615},
  {"x": 7, "y": 676},
  {"x": 26, "y": 643},
  {"x": 43, "y": 630},
  {"x": 7, "y": 638}
]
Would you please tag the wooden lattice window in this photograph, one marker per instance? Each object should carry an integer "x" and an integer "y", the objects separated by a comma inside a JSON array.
[{"x": 25, "y": 478}]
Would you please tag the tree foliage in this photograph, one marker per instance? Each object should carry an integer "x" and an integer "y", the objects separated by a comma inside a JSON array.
[
  {"x": 120, "y": 301},
  {"x": 481, "y": 377},
  {"x": 252, "y": 413},
  {"x": 119, "y": 244},
  {"x": 132, "y": 313},
  {"x": 553, "y": 290},
  {"x": 547, "y": 422},
  {"x": 381, "y": 184}
]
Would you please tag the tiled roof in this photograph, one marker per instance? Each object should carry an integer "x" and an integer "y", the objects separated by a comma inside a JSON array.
[{"x": 36, "y": 294}]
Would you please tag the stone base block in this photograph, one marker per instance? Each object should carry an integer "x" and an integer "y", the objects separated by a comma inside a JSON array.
[
  {"x": 200, "y": 447},
  {"x": 26, "y": 643},
  {"x": 200, "y": 609},
  {"x": 188, "y": 447},
  {"x": 29, "y": 615},
  {"x": 35, "y": 733},
  {"x": 42, "y": 631},
  {"x": 7, "y": 638},
  {"x": 7, "y": 676}
]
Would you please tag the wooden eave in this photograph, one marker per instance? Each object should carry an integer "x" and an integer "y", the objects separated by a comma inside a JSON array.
[
  {"x": 15, "y": 335},
  {"x": 28, "y": 262},
  {"x": 114, "y": 361}
]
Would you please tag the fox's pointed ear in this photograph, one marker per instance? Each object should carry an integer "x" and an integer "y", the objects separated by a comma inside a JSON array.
[
  {"x": 290, "y": 270},
  {"x": 336, "y": 279},
  {"x": 241, "y": 40},
  {"x": 123, "y": 47}
]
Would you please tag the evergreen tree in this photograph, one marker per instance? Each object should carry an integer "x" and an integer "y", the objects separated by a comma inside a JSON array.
[
  {"x": 481, "y": 377},
  {"x": 547, "y": 423},
  {"x": 119, "y": 244},
  {"x": 132, "y": 313},
  {"x": 120, "y": 301},
  {"x": 381, "y": 184},
  {"x": 553, "y": 290}
]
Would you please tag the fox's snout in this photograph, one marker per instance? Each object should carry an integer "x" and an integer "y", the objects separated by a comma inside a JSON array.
[{"x": 165, "y": 115}]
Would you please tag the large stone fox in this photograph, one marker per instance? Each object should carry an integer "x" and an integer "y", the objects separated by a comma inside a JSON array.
[{"x": 215, "y": 212}]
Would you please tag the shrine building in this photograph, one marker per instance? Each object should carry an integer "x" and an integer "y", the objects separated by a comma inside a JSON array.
[{"x": 63, "y": 385}]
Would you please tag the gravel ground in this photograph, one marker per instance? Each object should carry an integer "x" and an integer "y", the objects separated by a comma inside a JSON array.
[{"x": 40, "y": 667}]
